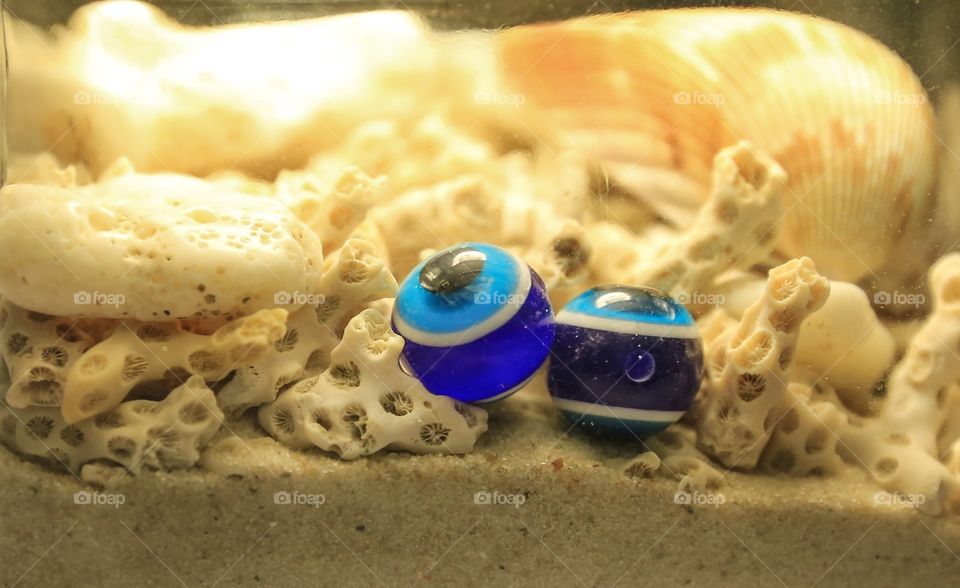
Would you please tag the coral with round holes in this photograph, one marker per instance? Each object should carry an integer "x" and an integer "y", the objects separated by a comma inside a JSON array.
[
  {"x": 476, "y": 320},
  {"x": 626, "y": 361}
]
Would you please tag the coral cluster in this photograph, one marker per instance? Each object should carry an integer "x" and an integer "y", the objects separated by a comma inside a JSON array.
[
  {"x": 165, "y": 434},
  {"x": 795, "y": 423},
  {"x": 363, "y": 402},
  {"x": 194, "y": 300},
  {"x": 38, "y": 351},
  {"x": 103, "y": 376}
]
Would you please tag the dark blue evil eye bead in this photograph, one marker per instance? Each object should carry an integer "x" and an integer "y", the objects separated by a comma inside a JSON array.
[
  {"x": 476, "y": 320},
  {"x": 626, "y": 362}
]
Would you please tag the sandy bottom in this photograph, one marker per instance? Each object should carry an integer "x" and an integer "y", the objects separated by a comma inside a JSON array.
[{"x": 402, "y": 520}]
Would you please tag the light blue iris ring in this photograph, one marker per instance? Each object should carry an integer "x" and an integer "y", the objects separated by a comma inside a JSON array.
[{"x": 441, "y": 319}]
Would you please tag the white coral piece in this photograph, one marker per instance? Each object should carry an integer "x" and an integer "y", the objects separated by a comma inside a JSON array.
[
  {"x": 736, "y": 228},
  {"x": 748, "y": 366},
  {"x": 351, "y": 277},
  {"x": 806, "y": 433},
  {"x": 159, "y": 435},
  {"x": 136, "y": 353},
  {"x": 673, "y": 453},
  {"x": 364, "y": 402},
  {"x": 39, "y": 350},
  {"x": 918, "y": 386},
  {"x": 331, "y": 208},
  {"x": 494, "y": 206}
]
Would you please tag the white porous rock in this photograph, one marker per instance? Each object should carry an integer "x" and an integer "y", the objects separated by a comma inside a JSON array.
[
  {"x": 364, "y": 402},
  {"x": 352, "y": 276},
  {"x": 747, "y": 366},
  {"x": 138, "y": 433},
  {"x": 845, "y": 345},
  {"x": 151, "y": 247},
  {"x": 897, "y": 462},
  {"x": 411, "y": 154}
]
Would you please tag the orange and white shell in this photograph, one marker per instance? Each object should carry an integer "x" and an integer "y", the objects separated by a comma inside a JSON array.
[{"x": 662, "y": 91}]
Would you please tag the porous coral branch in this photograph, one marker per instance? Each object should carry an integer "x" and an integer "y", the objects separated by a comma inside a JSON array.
[
  {"x": 137, "y": 353},
  {"x": 352, "y": 276},
  {"x": 364, "y": 402},
  {"x": 159, "y": 435},
  {"x": 475, "y": 207},
  {"x": 917, "y": 388},
  {"x": 748, "y": 366},
  {"x": 736, "y": 228}
]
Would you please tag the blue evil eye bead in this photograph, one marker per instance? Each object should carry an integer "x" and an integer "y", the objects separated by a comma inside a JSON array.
[
  {"x": 476, "y": 320},
  {"x": 626, "y": 362}
]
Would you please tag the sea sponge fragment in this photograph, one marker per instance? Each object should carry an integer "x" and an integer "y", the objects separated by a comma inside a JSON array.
[
  {"x": 159, "y": 435},
  {"x": 136, "y": 353},
  {"x": 363, "y": 402},
  {"x": 747, "y": 374},
  {"x": 155, "y": 247}
]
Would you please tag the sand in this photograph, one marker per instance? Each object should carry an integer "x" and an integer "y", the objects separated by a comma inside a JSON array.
[{"x": 405, "y": 520}]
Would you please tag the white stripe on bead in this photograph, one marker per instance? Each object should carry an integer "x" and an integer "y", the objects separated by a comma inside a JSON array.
[
  {"x": 586, "y": 321},
  {"x": 617, "y": 412}
]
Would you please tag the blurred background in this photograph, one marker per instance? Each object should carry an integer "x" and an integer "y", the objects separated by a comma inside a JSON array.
[{"x": 925, "y": 32}]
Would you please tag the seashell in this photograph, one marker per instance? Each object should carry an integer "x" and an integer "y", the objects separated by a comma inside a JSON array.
[{"x": 658, "y": 93}]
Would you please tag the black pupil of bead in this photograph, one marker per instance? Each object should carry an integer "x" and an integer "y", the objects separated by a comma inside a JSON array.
[{"x": 452, "y": 270}]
